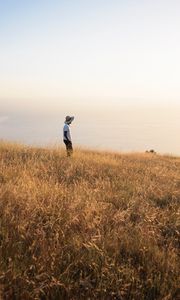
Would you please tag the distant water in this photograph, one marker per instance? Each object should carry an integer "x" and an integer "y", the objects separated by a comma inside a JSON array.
[{"x": 123, "y": 130}]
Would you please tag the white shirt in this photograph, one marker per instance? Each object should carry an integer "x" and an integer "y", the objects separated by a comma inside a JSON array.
[{"x": 66, "y": 128}]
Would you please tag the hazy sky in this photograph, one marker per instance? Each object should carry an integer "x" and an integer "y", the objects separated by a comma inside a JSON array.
[
  {"x": 114, "y": 64},
  {"x": 99, "y": 51}
]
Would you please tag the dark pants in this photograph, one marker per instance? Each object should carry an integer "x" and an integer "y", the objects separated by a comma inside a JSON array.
[{"x": 69, "y": 147}]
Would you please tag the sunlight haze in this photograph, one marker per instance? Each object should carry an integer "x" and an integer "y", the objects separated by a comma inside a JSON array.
[{"x": 91, "y": 57}]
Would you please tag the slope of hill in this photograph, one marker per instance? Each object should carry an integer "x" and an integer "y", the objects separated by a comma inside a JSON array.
[{"x": 98, "y": 225}]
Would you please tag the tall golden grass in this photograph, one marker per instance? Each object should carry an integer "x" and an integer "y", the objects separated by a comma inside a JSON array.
[{"x": 97, "y": 225}]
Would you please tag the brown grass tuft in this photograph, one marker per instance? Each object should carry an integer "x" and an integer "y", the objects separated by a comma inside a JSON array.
[{"x": 98, "y": 225}]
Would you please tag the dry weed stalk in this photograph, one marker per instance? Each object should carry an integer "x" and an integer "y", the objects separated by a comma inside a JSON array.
[{"x": 98, "y": 226}]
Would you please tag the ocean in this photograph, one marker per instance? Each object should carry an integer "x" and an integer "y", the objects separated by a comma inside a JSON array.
[{"x": 125, "y": 130}]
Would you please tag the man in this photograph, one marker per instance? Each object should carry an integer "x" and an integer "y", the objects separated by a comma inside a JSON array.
[{"x": 67, "y": 135}]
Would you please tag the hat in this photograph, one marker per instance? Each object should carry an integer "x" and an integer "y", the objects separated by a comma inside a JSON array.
[{"x": 69, "y": 119}]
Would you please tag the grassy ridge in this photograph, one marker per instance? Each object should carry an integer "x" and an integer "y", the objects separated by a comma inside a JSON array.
[{"x": 96, "y": 226}]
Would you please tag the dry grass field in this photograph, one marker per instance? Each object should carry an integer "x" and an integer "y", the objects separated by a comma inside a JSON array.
[{"x": 97, "y": 225}]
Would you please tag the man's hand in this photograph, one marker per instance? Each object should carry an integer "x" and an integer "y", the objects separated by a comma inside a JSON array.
[{"x": 65, "y": 135}]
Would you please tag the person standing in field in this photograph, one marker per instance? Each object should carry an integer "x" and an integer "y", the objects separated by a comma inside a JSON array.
[{"x": 67, "y": 135}]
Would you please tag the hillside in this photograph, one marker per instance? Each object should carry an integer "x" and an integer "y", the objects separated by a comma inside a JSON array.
[{"x": 98, "y": 225}]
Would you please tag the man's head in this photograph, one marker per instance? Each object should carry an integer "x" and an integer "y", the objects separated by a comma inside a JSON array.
[{"x": 69, "y": 119}]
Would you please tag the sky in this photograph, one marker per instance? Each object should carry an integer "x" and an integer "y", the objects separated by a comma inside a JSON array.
[
  {"x": 89, "y": 56},
  {"x": 80, "y": 50}
]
